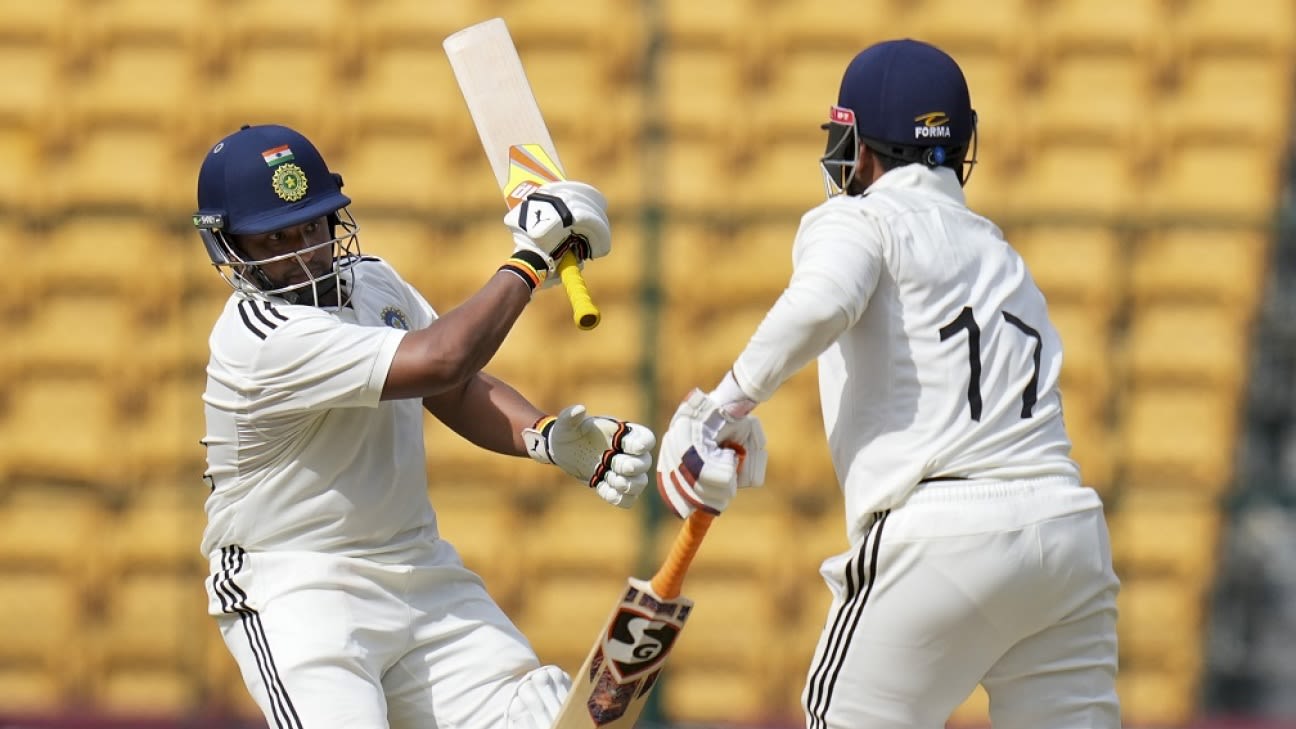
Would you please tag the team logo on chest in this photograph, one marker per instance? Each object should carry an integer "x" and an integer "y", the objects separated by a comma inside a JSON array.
[{"x": 395, "y": 318}]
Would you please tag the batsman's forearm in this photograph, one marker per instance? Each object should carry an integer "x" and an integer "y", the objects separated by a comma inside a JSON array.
[
  {"x": 487, "y": 412},
  {"x": 457, "y": 345}
]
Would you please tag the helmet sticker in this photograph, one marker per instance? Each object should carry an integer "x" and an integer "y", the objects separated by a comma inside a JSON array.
[
  {"x": 932, "y": 124},
  {"x": 289, "y": 182},
  {"x": 277, "y": 155}
]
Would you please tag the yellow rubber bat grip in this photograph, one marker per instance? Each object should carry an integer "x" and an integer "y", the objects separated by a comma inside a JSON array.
[
  {"x": 584, "y": 312},
  {"x": 669, "y": 580}
]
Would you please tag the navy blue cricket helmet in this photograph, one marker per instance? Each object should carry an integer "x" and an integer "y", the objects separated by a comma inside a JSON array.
[
  {"x": 907, "y": 101},
  {"x": 266, "y": 178}
]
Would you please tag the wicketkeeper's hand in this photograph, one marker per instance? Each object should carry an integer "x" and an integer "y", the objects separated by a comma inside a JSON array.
[
  {"x": 556, "y": 217},
  {"x": 707, "y": 455},
  {"x": 612, "y": 456}
]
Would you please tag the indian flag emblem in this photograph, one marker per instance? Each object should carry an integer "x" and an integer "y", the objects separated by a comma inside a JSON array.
[{"x": 276, "y": 156}]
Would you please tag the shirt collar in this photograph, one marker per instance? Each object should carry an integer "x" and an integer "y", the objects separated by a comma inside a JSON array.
[{"x": 938, "y": 180}]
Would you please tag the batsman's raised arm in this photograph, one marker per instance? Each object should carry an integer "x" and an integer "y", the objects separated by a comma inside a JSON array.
[{"x": 458, "y": 345}]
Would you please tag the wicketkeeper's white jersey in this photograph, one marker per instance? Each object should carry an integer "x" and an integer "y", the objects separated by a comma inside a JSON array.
[
  {"x": 936, "y": 354},
  {"x": 301, "y": 453}
]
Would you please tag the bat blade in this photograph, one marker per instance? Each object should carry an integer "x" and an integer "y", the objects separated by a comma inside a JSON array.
[
  {"x": 504, "y": 109},
  {"x": 612, "y": 686}
]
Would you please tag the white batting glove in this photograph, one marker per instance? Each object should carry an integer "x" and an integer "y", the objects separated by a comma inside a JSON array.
[
  {"x": 707, "y": 455},
  {"x": 612, "y": 456},
  {"x": 556, "y": 217}
]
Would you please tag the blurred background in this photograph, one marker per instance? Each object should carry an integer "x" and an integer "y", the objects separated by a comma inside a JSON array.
[{"x": 1136, "y": 152}]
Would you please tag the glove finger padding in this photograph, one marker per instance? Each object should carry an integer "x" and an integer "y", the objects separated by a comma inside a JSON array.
[
  {"x": 611, "y": 456},
  {"x": 747, "y": 435}
]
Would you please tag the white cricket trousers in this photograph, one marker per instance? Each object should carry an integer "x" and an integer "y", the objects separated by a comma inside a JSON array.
[
  {"x": 1006, "y": 584},
  {"x": 326, "y": 641}
]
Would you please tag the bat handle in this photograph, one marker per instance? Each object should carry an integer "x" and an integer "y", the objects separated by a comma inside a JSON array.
[
  {"x": 669, "y": 580},
  {"x": 584, "y": 312}
]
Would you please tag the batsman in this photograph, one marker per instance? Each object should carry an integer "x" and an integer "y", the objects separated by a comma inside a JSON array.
[
  {"x": 332, "y": 587},
  {"x": 977, "y": 555}
]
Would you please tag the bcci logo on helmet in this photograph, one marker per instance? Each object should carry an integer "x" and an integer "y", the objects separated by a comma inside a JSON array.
[{"x": 933, "y": 124}]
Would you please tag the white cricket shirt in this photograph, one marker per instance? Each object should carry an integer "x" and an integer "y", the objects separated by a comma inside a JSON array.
[
  {"x": 936, "y": 355},
  {"x": 301, "y": 453}
]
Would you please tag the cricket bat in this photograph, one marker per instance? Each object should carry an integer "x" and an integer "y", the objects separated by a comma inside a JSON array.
[
  {"x": 512, "y": 131},
  {"x": 612, "y": 686}
]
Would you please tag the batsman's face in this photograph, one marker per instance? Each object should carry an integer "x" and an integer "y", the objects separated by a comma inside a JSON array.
[{"x": 293, "y": 255}]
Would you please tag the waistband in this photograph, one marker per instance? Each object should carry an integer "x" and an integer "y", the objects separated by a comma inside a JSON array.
[{"x": 950, "y": 489}]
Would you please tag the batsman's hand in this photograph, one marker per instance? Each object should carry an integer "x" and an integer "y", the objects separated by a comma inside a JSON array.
[
  {"x": 612, "y": 456},
  {"x": 708, "y": 454},
  {"x": 559, "y": 216}
]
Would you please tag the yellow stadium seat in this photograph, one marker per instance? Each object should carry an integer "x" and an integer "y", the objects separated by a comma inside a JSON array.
[
  {"x": 1187, "y": 186},
  {"x": 278, "y": 83},
  {"x": 1154, "y": 697},
  {"x": 723, "y": 23},
  {"x": 609, "y": 28},
  {"x": 408, "y": 87},
  {"x": 947, "y": 24},
  {"x": 62, "y": 428},
  {"x": 79, "y": 334},
  {"x": 1066, "y": 108},
  {"x": 995, "y": 84},
  {"x": 1202, "y": 344},
  {"x": 147, "y": 692},
  {"x": 44, "y": 21},
  {"x": 34, "y": 84},
  {"x": 52, "y": 530},
  {"x": 711, "y": 694},
  {"x": 728, "y": 617},
  {"x": 44, "y": 624},
  {"x": 131, "y": 169},
  {"x": 796, "y": 102},
  {"x": 1092, "y": 446},
  {"x": 995, "y": 184},
  {"x": 1079, "y": 179},
  {"x": 1086, "y": 348},
  {"x": 278, "y": 22},
  {"x": 703, "y": 93},
  {"x": 799, "y": 461},
  {"x": 1166, "y": 534},
  {"x": 32, "y": 691},
  {"x": 1215, "y": 27},
  {"x": 783, "y": 177},
  {"x": 582, "y": 106},
  {"x": 404, "y": 243},
  {"x": 561, "y": 615},
  {"x": 1156, "y": 616},
  {"x": 389, "y": 23},
  {"x": 1227, "y": 99},
  {"x": 151, "y": 86},
  {"x": 974, "y": 711},
  {"x": 1179, "y": 438},
  {"x": 579, "y": 533},
  {"x": 159, "y": 530},
  {"x": 1135, "y": 29},
  {"x": 1075, "y": 264},
  {"x": 141, "y": 25},
  {"x": 155, "y": 620},
  {"x": 697, "y": 176},
  {"x": 146, "y": 274},
  {"x": 1223, "y": 266},
  {"x": 482, "y": 524},
  {"x": 20, "y": 155},
  {"x": 167, "y": 430},
  {"x": 405, "y": 172},
  {"x": 796, "y": 25},
  {"x": 610, "y": 352},
  {"x": 700, "y": 340}
]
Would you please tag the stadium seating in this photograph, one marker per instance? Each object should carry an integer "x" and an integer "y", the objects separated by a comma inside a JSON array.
[{"x": 1131, "y": 151}]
